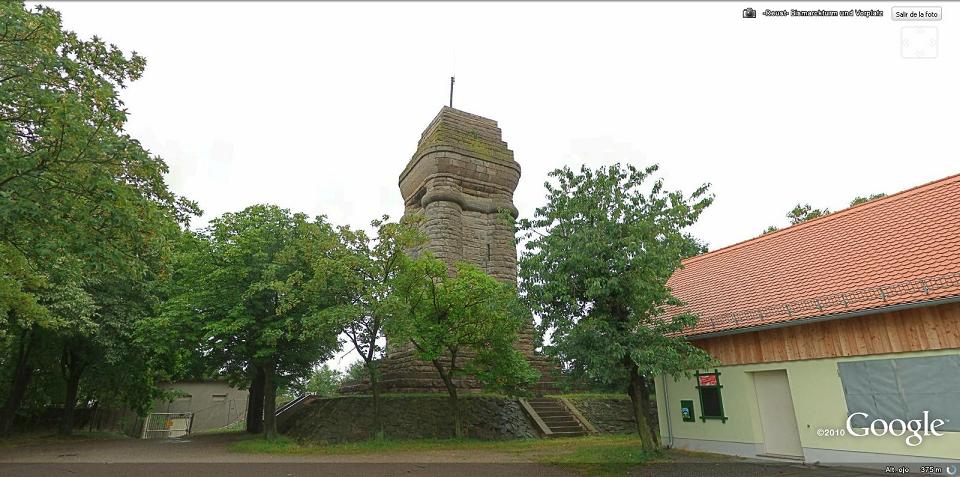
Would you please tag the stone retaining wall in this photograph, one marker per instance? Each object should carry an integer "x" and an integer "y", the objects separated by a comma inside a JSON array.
[
  {"x": 611, "y": 415},
  {"x": 350, "y": 418}
]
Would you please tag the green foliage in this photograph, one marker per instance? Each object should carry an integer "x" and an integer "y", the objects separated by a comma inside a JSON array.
[
  {"x": 71, "y": 180},
  {"x": 862, "y": 200},
  {"x": 324, "y": 381},
  {"x": 359, "y": 276},
  {"x": 86, "y": 219},
  {"x": 446, "y": 315},
  {"x": 356, "y": 372},
  {"x": 245, "y": 294},
  {"x": 595, "y": 270},
  {"x": 804, "y": 212},
  {"x": 248, "y": 282}
]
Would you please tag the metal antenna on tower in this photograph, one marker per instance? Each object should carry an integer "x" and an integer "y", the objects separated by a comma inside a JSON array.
[{"x": 452, "y": 79}]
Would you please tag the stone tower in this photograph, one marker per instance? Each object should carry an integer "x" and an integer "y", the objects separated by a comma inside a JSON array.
[{"x": 461, "y": 179}]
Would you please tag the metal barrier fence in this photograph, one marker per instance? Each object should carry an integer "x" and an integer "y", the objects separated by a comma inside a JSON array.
[{"x": 161, "y": 425}]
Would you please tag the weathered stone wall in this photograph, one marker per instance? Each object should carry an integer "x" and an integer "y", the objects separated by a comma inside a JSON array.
[
  {"x": 350, "y": 418},
  {"x": 611, "y": 415}
]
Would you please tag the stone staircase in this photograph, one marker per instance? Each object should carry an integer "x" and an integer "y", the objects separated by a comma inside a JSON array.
[{"x": 554, "y": 418}]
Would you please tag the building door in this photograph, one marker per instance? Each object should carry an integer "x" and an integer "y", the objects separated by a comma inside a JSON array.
[{"x": 781, "y": 437}]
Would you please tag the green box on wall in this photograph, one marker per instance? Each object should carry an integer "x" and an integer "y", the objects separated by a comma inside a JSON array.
[{"x": 686, "y": 410}]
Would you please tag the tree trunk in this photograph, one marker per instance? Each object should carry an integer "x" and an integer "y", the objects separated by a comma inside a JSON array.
[
  {"x": 645, "y": 404},
  {"x": 269, "y": 401},
  {"x": 457, "y": 417},
  {"x": 69, "y": 404},
  {"x": 375, "y": 389},
  {"x": 22, "y": 373},
  {"x": 255, "y": 402},
  {"x": 454, "y": 402},
  {"x": 71, "y": 366},
  {"x": 639, "y": 397}
]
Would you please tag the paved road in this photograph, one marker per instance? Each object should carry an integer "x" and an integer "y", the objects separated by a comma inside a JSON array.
[{"x": 209, "y": 456}]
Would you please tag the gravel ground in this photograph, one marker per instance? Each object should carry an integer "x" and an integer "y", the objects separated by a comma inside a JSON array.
[{"x": 210, "y": 456}]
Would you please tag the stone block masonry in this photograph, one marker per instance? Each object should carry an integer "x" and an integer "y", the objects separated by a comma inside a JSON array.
[
  {"x": 350, "y": 419},
  {"x": 461, "y": 180}
]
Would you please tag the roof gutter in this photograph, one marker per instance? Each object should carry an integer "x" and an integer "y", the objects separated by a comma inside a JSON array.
[{"x": 836, "y": 316}]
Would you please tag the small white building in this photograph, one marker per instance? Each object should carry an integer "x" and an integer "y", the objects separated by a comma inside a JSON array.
[{"x": 214, "y": 404}]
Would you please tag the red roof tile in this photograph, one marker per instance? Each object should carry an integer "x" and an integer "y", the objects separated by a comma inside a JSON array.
[{"x": 900, "y": 249}]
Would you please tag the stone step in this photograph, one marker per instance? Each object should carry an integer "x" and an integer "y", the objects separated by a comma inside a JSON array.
[
  {"x": 566, "y": 429},
  {"x": 559, "y": 419},
  {"x": 559, "y": 426},
  {"x": 548, "y": 408}
]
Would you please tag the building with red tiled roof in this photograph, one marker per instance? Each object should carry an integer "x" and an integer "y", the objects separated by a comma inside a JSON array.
[{"x": 856, "y": 313}]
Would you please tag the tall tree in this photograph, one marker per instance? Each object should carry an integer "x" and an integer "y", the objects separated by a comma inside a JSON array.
[
  {"x": 71, "y": 180},
  {"x": 107, "y": 354},
  {"x": 595, "y": 270},
  {"x": 360, "y": 276},
  {"x": 64, "y": 303},
  {"x": 247, "y": 294},
  {"x": 464, "y": 323},
  {"x": 74, "y": 186}
]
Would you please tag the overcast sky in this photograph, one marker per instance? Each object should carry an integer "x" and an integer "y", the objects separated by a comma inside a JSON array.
[{"x": 317, "y": 107}]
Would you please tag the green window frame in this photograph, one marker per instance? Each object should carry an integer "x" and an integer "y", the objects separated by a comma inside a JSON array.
[{"x": 709, "y": 388}]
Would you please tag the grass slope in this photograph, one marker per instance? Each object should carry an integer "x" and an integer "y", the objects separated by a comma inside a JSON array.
[{"x": 592, "y": 455}]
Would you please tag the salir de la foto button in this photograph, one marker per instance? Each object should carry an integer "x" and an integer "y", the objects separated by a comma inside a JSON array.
[{"x": 917, "y": 14}]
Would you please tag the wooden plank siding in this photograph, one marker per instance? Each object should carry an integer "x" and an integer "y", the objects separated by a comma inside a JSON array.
[{"x": 916, "y": 329}]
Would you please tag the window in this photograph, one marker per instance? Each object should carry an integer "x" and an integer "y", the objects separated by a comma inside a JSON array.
[
  {"x": 903, "y": 388},
  {"x": 219, "y": 397},
  {"x": 686, "y": 410},
  {"x": 711, "y": 402}
]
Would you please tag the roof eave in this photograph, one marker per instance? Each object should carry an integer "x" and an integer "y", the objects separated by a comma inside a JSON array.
[{"x": 834, "y": 316}]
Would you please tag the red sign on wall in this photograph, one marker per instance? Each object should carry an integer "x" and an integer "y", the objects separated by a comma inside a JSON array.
[{"x": 708, "y": 379}]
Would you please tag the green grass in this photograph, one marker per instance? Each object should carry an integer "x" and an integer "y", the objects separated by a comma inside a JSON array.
[
  {"x": 600, "y": 456},
  {"x": 602, "y": 460},
  {"x": 51, "y": 437}
]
